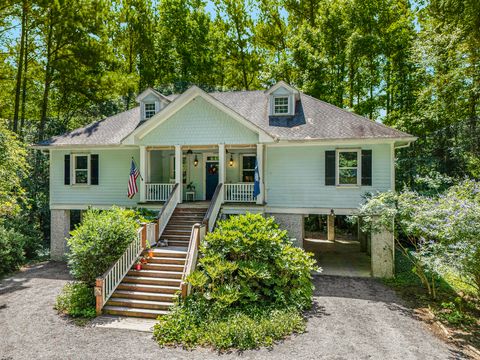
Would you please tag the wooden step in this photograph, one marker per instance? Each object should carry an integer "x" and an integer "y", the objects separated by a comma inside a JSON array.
[
  {"x": 143, "y": 295},
  {"x": 152, "y": 280},
  {"x": 139, "y": 304},
  {"x": 179, "y": 243},
  {"x": 191, "y": 217},
  {"x": 156, "y": 274},
  {"x": 162, "y": 266},
  {"x": 162, "y": 252},
  {"x": 149, "y": 288},
  {"x": 175, "y": 236},
  {"x": 177, "y": 232},
  {"x": 126, "y": 311},
  {"x": 166, "y": 260}
]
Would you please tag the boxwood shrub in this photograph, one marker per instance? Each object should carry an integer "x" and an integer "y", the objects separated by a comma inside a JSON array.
[{"x": 249, "y": 289}]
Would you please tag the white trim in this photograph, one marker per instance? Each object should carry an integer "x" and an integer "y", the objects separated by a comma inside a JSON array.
[
  {"x": 181, "y": 101},
  {"x": 260, "y": 161},
  {"x": 392, "y": 169},
  {"x": 280, "y": 84},
  {"x": 149, "y": 91},
  {"x": 358, "y": 167},
  {"x": 289, "y": 105},
  {"x": 204, "y": 171},
  {"x": 142, "y": 177},
  {"x": 179, "y": 171},
  {"x": 334, "y": 142},
  {"x": 154, "y": 110},
  {"x": 73, "y": 169}
]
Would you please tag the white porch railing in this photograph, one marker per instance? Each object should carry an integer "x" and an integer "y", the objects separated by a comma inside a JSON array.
[
  {"x": 196, "y": 237},
  {"x": 241, "y": 192},
  {"x": 166, "y": 212},
  {"x": 158, "y": 192},
  {"x": 108, "y": 282}
]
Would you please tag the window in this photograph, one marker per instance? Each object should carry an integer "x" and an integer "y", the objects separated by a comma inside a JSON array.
[
  {"x": 280, "y": 105},
  {"x": 184, "y": 168},
  {"x": 248, "y": 168},
  {"x": 348, "y": 167},
  {"x": 149, "y": 110},
  {"x": 81, "y": 168}
]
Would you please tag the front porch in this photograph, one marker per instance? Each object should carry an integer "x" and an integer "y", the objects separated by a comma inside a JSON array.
[{"x": 199, "y": 169}]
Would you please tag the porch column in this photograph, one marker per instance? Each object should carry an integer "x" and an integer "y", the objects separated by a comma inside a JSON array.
[
  {"x": 261, "y": 196},
  {"x": 178, "y": 171},
  {"x": 143, "y": 161},
  {"x": 222, "y": 171},
  {"x": 331, "y": 227}
]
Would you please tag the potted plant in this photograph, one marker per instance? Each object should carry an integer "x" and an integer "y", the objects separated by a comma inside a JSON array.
[{"x": 138, "y": 265}]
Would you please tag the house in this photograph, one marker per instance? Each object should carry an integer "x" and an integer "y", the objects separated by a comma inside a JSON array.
[{"x": 313, "y": 158}]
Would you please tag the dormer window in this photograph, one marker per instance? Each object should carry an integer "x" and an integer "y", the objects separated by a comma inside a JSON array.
[
  {"x": 280, "y": 105},
  {"x": 149, "y": 110}
]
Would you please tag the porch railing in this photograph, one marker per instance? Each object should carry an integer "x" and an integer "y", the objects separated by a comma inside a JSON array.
[
  {"x": 215, "y": 205},
  {"x": 167, "y": 209},
  {"x": 158, "y": 192},
  {"x": 241, "y": 192},
  {"x": 106, "y": 284}
]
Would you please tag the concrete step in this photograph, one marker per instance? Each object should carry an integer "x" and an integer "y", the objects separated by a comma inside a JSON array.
[
  {"x": 152, "y": 280},
  {"x": 156, "y": 274},
  {"x": 162, "y": 266},
  {"x": 143, "y": 295},
  {"x": 139, "y": 304},
  {"x": 126, "y": 311},
  {"x": 149, "y": 288}
]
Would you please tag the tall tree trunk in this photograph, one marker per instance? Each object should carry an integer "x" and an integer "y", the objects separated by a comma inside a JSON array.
[
  {"x": 19, "y": 68},
  {"x": 24, "y": 85},
  {"x": 46, "y": 85}
]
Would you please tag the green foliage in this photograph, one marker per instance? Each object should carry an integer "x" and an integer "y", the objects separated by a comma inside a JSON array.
[
  {"x": 194, "y": 322},
  {"x": 98, "y": 241},
  {"x": 12, "y": 255},
  {"x": 248, "y": 290},
  {"x": 248, "y": 260},
  {"x": 77, "y": 300}
]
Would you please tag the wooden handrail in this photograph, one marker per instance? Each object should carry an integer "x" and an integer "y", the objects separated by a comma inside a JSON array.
[
  {"x": 208, "y": 214},
  {"x": 192, "y": 254},
  {"x": 170, "y": 197}
]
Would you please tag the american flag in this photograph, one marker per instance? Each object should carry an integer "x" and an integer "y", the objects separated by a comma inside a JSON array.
[{"x": 132, "y": 181}]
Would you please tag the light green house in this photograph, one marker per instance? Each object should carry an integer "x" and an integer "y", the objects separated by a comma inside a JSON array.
[{"x": 313, "y": 157}]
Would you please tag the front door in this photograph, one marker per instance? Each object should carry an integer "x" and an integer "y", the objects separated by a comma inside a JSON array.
[{"x": 211, "y": 178}]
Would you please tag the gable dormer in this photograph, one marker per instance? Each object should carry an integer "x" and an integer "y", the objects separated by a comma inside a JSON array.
[
  {"x": 151, "y": 102},
  {"x": 282, "y": 99}
]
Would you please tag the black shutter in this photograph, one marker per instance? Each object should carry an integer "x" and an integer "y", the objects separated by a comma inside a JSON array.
[
  {"x": 366, "y": 167},
  {"x": 94, "y": 169},
  {"x": 66, "y": 170},
  {"x": 330, "y": 167}
]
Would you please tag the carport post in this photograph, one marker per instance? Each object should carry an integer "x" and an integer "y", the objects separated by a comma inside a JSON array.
[
  {"x": 331, "y": 226},
  {"x": 383, "y": 252}
]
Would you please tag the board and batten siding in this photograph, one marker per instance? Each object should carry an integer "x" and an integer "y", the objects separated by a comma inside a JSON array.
[
  {"x": 114, "y": 170},
  {"x": 199, "y": 123},
  {"x": 295, "y": 177}
]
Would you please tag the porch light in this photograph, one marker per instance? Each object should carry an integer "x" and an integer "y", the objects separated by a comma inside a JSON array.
[
  {"x": 195, "y": 161},
  {"x": 231, "y": 161},
  {"x": 189, "y": 152}
]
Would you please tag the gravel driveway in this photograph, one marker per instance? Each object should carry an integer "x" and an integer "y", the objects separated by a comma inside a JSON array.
[{"x": 353, "y": 319}]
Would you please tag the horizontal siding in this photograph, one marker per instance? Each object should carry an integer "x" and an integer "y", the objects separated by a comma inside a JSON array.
[
  {"x": 295, "y": 177},
  {"x": 114, "y": 169},
  {"x": 200, "y": 123}
]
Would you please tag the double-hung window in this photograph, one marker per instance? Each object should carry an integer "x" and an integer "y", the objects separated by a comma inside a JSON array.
[
  {"x": 81, "y": 168},
  {"x": 348, "y": 167},
  {"x": 149, "y": 110},
  {"x": 280, "y": 105},
  {"x": 248, "y": 168}
]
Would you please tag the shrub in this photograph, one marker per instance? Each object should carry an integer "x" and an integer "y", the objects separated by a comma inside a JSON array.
[
  {"x": 11, "y": 250},
  {"x": 99, "y": 241},
  {"x": 248, "y": 290},
  {"x": 77, "y": 300}
]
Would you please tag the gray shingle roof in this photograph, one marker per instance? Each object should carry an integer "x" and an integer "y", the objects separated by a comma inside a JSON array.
[{"x": 314, "y": 119}]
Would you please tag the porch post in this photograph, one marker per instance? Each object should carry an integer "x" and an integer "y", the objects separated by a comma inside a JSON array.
[
  {"x": 222, "y": 170},
  {"x": 178, "y": 171},
  {"x": 143, "y": 160},
  {"x": 261, "y": 196}
]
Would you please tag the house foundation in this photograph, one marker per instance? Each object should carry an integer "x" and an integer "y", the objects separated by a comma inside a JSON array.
[
  {"x": 59, "y": 231},
  {"x": 293, "y": 223}
]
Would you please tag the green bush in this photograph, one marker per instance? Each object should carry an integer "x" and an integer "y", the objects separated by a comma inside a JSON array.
[
  {"x": 12, "y": 255},
  {"x": 99, "y": 241},
  {"x": 77, "y": 300},
  {"x": 249, "y": 289},
  {"x": 194, "y": 322}
]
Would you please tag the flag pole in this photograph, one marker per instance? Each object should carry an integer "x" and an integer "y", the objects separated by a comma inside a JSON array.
[{"x": 139, "y": 173}]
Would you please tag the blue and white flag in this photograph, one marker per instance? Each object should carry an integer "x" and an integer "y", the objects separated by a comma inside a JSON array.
[{"x": 256, "y": 185}]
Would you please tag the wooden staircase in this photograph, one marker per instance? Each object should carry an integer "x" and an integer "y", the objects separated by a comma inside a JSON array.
[
  {"x": 178, "y": 230},
  {"x": 151, "y": 291}
]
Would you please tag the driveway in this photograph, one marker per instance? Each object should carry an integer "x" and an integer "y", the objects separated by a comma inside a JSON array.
[{"x": 352, "y": 319}]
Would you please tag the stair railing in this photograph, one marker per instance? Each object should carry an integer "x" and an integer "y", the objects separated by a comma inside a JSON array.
[
  {"x": 167, "y": 210},
  {"x": 214, "y": 208},
  {"x": 196, "y": 237},
  {"x": 106, "y": 284}
]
